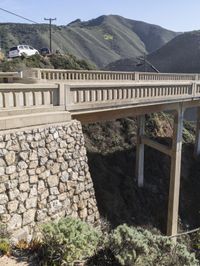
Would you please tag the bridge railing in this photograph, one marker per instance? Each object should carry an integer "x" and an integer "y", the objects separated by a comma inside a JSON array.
[
  {"x": 19, "y": 96},
  {"x": 167, "y": 76},
  {"x": 79, "y": 75},
  {"x": 92, "y": 97},
  {"x": 9, "y": 77},
  {"x": 60, "y": 75}
]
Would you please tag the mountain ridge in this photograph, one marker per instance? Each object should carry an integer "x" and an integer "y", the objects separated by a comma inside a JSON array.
[
  {"x": 180, "y": 55},
  {"x": 101, "y": 40}
]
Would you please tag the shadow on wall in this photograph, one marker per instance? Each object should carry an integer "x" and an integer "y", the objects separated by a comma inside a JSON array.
[{"x": 121, "y": 201}]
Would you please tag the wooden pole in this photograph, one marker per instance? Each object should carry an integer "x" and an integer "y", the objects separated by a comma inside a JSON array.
[
  {"x": 140, "y": 151},
  {"x": 175, "y": 173}
]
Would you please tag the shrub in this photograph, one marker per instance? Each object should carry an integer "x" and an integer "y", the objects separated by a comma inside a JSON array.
[
  {"x": 4, "y": 246},
  {"x": 4, "y": 242},
  {"x": 68, "y": 240},
  {"x": 136, "y": 246}
]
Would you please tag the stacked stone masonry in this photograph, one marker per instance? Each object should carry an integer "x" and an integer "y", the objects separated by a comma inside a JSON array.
[{"x": 44, "y": 175}]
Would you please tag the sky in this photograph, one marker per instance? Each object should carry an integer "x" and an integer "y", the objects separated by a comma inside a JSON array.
[{"x": 176, "y": 15}]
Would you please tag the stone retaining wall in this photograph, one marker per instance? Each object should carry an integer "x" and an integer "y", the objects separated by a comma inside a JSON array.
[{"x": 44, "y": 175}]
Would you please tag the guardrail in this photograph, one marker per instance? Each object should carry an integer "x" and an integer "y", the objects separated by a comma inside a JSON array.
[
  {"x": 90, "y": 97},
  {"x": 93, "y": 97},
  {"x": 9, "y": 77},
  {"x": 13, "y": 96},
  {"x": 60, "y": 75}
]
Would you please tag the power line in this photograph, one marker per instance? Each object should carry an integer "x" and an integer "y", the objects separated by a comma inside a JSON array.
[
  {"x": 19, "y": 16},
  {"x": 50, "y": 23}
]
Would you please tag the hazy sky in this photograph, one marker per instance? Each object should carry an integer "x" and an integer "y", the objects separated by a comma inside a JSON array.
[{"x": 178, "y": 15}]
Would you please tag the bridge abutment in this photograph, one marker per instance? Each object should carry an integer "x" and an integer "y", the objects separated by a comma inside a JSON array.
[{"x": 44, "y": 175}]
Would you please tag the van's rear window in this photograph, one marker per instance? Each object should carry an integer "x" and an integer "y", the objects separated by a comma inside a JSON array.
[{"x": 13, "y": 48}]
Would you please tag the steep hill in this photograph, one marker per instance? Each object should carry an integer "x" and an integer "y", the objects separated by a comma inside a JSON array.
[
  {"x": 101, "y": 40},
  {"x": 180, "y": 55}
]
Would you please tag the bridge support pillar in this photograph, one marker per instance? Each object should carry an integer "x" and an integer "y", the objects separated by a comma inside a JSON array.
[
  {"x": 140, "y": 150},
  {"x": 197, "y": 141},
  {"x": 175, "y": 173}
]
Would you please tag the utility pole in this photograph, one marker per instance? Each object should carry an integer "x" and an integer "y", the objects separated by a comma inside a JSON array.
[{"x": 50, "y": 23}]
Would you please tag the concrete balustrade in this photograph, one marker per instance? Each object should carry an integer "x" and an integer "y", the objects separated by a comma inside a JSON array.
[
  {"x": 91, "y": 97},
  {"x": 9, "y": 77},
  {"x": 60, "y": 75},
  {"x": 166, "y": 76},
  {"x": 24, "y": 96}
]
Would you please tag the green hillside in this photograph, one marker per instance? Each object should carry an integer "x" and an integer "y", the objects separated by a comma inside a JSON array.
[
  {"x": 101, "y": 40},
  {"x": 180, "y": 55}
]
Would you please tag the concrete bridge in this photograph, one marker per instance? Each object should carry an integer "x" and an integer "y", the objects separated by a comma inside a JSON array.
[{"x": 44, "y": 96}]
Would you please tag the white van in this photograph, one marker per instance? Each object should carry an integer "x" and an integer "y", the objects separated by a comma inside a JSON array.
[{"x": 20, "y": 50}]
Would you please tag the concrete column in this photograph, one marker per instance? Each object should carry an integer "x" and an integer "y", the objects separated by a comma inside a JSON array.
[
  {"x": 140, "y": 151},
  {"x": 197, "y": 140},
  {"x": 174, "y": 189}
]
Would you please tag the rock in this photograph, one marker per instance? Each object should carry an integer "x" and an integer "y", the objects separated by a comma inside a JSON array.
[
  {"x": 12, "y": 206},
  {"x": 23, "y": 155},
  {"x": 11, "y": 184},
  {"x": 2, "y": 187},
  {"x": 23, "y": 179},
  {"x": 54, "y": 206},
  {"x": 41, "y": 215},
  {"x": 2, "y": 171},
  {"x": 55, "y": 135},
  {"x": 52, "y": 180},
  {"x": 33, "y": 179},
  {"x": 21, "y": 209},
  {"x": 24, "y": 187},
  {"x": 3, "y": 199},
  {"x": 83, "y": 214},
  {"x": 45, "y": 174},
  {"x": 33, "y": 164},
  {"x": 21, "y": 234},
  {"x": 15, "y": 222},
  {"x": 29, "y": 216},
  {"x": 23, "y": 196},
  {"x": 31, "y": 203},
  {"x": 2, "y": 209},
  {"x": 41, "y": 186},
  {"x": 10, "y": 169},
  {"x": 5, "y": 218},
  {"x": 13, "y": 194},
  {"x": 2, "y": 163},
  {"x": 21, "y": 166},
  {"x": 54, "y": 191},
  {"x": 45, "y": 194},
  {"x": 42, "y": 152},
  {"x": 33, "y": 156},
  {"x": 43, "y": 160},
  {"x": 64, "y": 177},
  {"x": 62, "y": 196},
  {"x": 55, "y": 168},
  {"x": 33, "y": 191}
]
